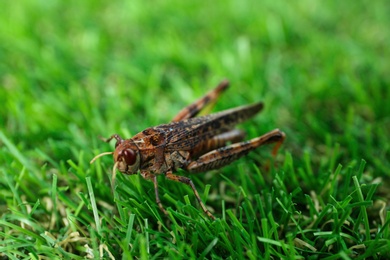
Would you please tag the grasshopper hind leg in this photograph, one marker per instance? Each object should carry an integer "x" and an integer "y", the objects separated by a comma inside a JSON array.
[
  {"x": 193, "y": 109},
  {"x": 225, "y": 155},
  {"x": 232, "y": 136}
]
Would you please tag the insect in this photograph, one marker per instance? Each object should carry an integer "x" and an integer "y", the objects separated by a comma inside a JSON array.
[{"x": 195, "y": 144}]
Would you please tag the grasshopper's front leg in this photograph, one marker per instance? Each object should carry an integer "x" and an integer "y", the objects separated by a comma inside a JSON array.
[
  {"x": 150, "y": 176},
  {"x": 170, "y": 176},
  {"x": 188, "y": 181},
  {"x": 220, "y": 157}
]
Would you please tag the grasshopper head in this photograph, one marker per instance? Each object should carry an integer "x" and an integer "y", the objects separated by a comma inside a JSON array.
[
  {"x": 127, "y": 158},
  {"x": 126, "y": 155}
]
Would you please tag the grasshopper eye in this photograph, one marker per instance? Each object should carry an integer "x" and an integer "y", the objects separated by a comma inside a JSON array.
[{"x": 129, "y": 156}]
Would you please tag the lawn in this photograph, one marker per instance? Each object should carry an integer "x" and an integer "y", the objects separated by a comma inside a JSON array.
[{"x": 74, "y": 71}]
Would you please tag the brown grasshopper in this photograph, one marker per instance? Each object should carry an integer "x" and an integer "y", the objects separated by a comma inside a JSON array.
[{"x": 195, "y": 144}]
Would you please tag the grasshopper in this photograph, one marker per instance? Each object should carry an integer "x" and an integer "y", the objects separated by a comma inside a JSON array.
[{"x": 195, "y": 144}]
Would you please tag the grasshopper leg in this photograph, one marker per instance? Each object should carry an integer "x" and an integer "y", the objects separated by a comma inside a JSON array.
[
  {"x": 220, "y": 140},
  {"x": 193, "y": 109},
  {"x": 220, "y": 157},
  {"x": 153, "y": 178},
  {"x": 188, "y": 181}
]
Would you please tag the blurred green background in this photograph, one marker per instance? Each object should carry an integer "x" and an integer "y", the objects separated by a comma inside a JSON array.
[
  {"x": 71, "y": 71},
  {"x": 93, "y": 67}
]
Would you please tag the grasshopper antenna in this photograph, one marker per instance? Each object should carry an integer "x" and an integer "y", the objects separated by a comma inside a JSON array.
[
  {"x": 118, "y": 139},
  {"x": 100, "y": 155}
]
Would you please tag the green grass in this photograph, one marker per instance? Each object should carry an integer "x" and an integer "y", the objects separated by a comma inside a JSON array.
[{"x": 76, "y": 70}]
